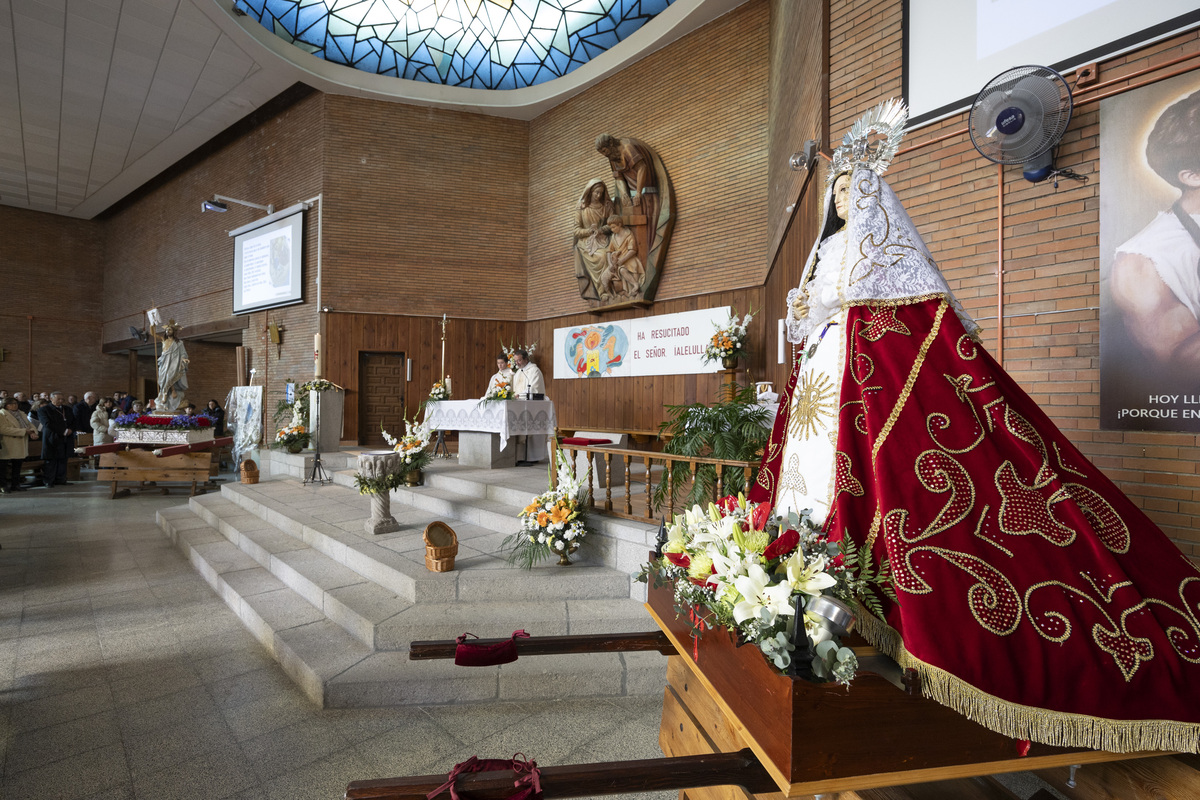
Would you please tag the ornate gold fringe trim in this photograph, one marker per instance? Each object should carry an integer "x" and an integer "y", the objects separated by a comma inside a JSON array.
[{"x": 1056, "y": 728}]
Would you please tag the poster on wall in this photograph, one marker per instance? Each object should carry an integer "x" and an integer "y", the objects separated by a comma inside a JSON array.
[
  {"x": 667, "y": 344},
  {"x": 1150, "y": 257}
]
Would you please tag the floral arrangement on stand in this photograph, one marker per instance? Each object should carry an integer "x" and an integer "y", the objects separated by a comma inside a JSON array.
[
  {"x": 501, "y": 390},
  {"x": 555, "y": 522},
  {"x": 510, "y": 350},
  {"x": 413, "y": 446},
  {"x": 317, "y": 385},
  {"x": 292, "y": 438},
  {"x": 749, "y": 571},
  {"x": 729, "y": 342},
  {"x": 181, "y": 422}
]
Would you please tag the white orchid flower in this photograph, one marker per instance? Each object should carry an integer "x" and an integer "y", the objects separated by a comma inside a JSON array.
[
  {"x": 811, "y": 578},
  {"x": 758, "y": 595}
]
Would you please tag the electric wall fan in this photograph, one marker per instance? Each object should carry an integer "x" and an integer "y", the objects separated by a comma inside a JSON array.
[{"x": 1019, "y": 118}]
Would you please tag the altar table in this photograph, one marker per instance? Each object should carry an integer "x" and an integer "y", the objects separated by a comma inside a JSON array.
[{"x": 484, "y": 430}]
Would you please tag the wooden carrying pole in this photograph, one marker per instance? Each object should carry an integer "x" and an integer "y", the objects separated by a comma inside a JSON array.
[{"x": 586, "y": 780}]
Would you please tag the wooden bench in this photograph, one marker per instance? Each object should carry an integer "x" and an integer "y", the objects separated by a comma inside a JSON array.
[
  {"x": 33, "y": 468},
  {"x": 144, "y": 467}
]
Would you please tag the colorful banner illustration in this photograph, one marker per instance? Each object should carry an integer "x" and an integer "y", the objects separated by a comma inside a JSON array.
[{"x": 667, "y": 344}]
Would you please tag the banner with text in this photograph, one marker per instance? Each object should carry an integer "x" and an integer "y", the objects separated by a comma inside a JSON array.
[{"x": 668, "y": 344}]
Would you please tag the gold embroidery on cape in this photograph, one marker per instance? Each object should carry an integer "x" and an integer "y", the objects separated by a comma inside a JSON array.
[
  {"x": 844, "y": 477},
  {"x": 978, "y": 533},
  {"x": 938, "y": 421},
  {"x": 909, "y": 382},
  {"x": 883, "y": 321},
  {"x": 1025, "y": 510},
  {"x": 993, "y": 601},
  {"x": 965, "y": 341},
  {"x": 1062, "y": 464},
  {"x": 1101, "y": 516},
  {"x": 888, "y": 251},
  {"x": 1128, "y": 651},
  {"x": 812, "y": 405}
]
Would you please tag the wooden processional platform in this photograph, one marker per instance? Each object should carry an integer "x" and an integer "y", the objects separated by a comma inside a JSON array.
[{"x": 734, "y": 728}]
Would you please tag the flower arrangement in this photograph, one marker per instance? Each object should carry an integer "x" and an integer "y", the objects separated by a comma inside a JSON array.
[
  {"x": 510, "y": 350},
  {"x": 293, "y": 437},
  {"x": 752, "y": 572},
  {"x": 554, "y": 523},
  {"x": 317, "y": 385},
  {"x": 183, "y": 422},
  {"x": 440, "y": 391},
  {"x": 500, "y": 390},
  {"x": 729, "y": 341},
  {"x": 412, "y": 446}
]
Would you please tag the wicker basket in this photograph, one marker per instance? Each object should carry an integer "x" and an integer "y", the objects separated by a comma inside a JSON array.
[
  {"x": 249, "y": 471},
  {"x": 440, "y": 542},
  {"x": 439, "y": 564}
]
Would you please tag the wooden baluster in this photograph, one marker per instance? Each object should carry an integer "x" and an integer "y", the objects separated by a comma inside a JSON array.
[
  {"x": 695, "y": 470},
  {"x": 627, "y": 460},
  {"x": 608, "y": 481},
  {"x": 669, "y": 474},
  {"x": 591, "y": 494},
  {"x": 720, "y": 484},
  {"x": 748, "y": 471},
  {"x": 649, "y": 491}
]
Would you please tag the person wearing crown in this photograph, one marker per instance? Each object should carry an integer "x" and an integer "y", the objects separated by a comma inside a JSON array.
[{"x": 1031, "y": 594}]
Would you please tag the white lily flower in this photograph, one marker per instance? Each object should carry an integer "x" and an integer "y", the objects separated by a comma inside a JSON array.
[
  {"x": 810, "y": 579},
  {"x": 758, "y": 595}
]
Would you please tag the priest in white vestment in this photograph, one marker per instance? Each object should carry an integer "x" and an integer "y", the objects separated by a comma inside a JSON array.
[{"x": 528, "y": 381}]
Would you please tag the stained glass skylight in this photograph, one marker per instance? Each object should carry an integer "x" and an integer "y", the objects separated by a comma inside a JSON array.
[{"x": 481, "y": 44}]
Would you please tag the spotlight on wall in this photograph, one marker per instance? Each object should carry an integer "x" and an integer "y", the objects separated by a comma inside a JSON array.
[
  {"x": 327, "y": 309},
  {"x": 220, "y": 203},
  {"x": 805, "y": 158}
]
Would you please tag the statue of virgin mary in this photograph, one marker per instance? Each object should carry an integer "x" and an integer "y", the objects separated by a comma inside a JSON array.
[{"x": 1032, "y": 595}]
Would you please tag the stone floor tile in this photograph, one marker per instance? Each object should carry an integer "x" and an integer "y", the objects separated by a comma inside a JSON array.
[
  {"x": 216, "y": 774},
  {"x": 56, "y": 742},
  {"x": 286, "y": 750},
  {"x": 70, "y": 778}
]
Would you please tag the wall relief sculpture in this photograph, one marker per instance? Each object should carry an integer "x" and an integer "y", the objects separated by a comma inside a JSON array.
[{"x": 623, "y": 225}]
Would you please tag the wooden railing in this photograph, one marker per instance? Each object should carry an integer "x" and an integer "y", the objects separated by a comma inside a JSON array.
[{"x": 624, "y": 505}]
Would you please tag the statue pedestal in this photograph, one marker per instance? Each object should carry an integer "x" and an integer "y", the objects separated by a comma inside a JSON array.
[{"x": 329, "y": 425}]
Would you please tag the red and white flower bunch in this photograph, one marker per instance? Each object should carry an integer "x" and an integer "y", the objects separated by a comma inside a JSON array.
[{"x": 752, "y": 571}]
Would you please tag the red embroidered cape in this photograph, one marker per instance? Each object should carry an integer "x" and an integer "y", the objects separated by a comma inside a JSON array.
[{"x": 1035, "y": 598}]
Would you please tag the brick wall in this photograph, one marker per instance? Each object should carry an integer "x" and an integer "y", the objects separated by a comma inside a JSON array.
[
  {"x": 961, "y": 202},
  {"x": 52, "y": 270},
  {"x": 701, "y": 103},
  {"x": 425, "y": 211}
]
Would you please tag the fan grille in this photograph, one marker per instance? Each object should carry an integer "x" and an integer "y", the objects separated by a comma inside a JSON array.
[{"x": 1039, "y": 95}]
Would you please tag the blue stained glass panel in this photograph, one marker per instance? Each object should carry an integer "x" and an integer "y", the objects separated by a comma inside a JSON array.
[{"x": 335, "y": 30}]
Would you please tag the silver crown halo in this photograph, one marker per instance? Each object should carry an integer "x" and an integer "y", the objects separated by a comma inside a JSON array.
[{"x": 872, "y": 141}]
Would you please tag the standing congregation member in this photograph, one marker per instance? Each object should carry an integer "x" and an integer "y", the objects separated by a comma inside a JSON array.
[
  {"x": 100, "y": 422},
  {"x": 58, "y": 430},
  {"x": 15, "y": 432},
  {"x": 217, "y": 415}
]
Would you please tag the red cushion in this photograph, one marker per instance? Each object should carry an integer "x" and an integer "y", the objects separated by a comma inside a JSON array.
[{"x": 586, "y": 442}]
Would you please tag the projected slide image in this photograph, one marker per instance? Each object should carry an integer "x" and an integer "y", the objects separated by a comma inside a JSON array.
[{"x": 266, "y": 267}]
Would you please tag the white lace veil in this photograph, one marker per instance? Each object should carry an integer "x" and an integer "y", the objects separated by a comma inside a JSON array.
[{"x": 886, "y": 260}]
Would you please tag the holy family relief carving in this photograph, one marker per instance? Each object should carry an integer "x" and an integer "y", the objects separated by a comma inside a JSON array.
[{"x": 623, "y": 224}]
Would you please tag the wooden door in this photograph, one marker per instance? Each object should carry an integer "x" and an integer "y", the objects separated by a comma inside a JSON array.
[{"x": 380, "y": 396}]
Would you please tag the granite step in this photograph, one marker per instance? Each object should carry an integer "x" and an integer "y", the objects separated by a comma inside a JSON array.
[
  {"x": 336, "y": 668},
  {"x": 310, "y": 648}
]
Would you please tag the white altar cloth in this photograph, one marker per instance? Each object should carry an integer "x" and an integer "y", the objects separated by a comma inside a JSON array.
[{"x": 507, "y": 418}]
